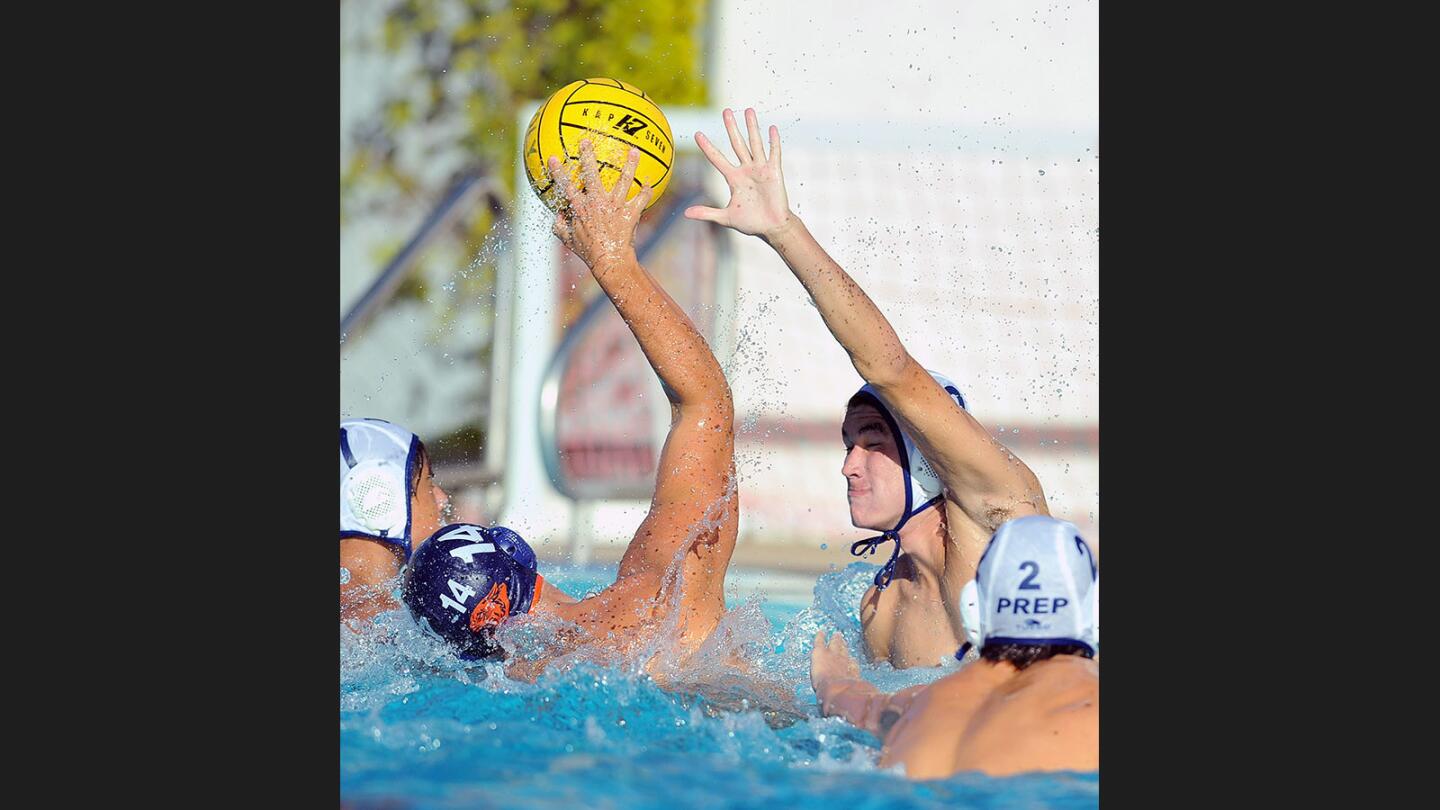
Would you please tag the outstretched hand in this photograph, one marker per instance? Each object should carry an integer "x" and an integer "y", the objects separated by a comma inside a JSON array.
[
  {"x": 830, "y": 661},
  {"x": 758, "y": 205},
  {"x": 598, "y": 225}
]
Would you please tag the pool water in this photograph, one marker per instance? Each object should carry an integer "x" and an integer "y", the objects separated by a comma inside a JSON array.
[{"x": 418, "y": 728}]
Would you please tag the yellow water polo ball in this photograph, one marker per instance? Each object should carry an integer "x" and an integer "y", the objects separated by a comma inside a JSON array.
[{"x": 615, "y": 116}]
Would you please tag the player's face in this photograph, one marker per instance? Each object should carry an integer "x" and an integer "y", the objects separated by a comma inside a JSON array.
[{"x": 874, "y": 479}]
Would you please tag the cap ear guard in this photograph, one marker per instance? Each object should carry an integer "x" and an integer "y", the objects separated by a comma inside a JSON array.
[
  {"x": 1091, "y": 634},
  {"x": 1095, "y": 613},
  {"x": 376, "y": 493},
  {"x": 377, "y": 465},
  {"x": 514, "y": 545},
  {"x": 970, "y": 614},
  {"x": 926, "y": 480}
]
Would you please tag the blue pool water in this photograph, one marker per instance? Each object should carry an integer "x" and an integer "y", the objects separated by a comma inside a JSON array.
[{"x": 420, "y": 729}]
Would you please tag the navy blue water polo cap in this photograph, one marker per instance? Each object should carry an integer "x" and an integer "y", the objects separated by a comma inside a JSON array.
[
  {"x": 514, "y": 545},
  {"x": 465, "y": 580}
]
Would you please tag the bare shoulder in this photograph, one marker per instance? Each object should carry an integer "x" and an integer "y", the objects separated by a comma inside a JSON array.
[
  {"x": 877, "y": 621},
  {"x": 367, "y": 561},
  {"x": 949, "y": 701},
  {"x": 1045, "y": 718},
  {"x": 371, "y": 573},
  {"x": 1064, "y": 671},
  {"x": 1062, "y": 685},
  {"x": 965, "y": 683}
]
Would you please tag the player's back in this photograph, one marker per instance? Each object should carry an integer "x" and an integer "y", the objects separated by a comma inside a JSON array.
[{"x": 1044, "y": 718}]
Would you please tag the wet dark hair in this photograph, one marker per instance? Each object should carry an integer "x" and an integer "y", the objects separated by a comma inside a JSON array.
[
  {"x": 422, "y": 460},
  {"x": 1023, "y": 655},
  {"x": 867, "y": 398}
]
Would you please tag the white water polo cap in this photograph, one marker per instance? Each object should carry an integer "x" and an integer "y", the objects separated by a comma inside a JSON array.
[
  {"x": 1037, "y": 583},
  {"x": 377, "y": 463},
  {"x": 922, "y": 486}
]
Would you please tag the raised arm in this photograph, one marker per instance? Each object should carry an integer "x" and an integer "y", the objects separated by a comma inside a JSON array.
[
  {"x": 697, "y": 463},
  {"x": 981, "y": 476}
]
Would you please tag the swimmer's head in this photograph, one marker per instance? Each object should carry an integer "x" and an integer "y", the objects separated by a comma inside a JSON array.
[
  {"x": 887, "y": 478},
  {"x": 387, "y": 491},
  {"x": 466, "y": 580},
  {"x": 1037, "y": 586}
]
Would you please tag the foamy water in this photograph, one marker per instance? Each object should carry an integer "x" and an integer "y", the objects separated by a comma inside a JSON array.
[{"x": 420, "y": 728}]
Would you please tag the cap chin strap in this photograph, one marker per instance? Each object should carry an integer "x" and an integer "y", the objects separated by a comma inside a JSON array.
[{"x": 870, "y": 544}]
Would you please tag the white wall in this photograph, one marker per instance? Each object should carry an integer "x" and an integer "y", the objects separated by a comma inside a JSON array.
[{"x": 946, "y": 154}]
